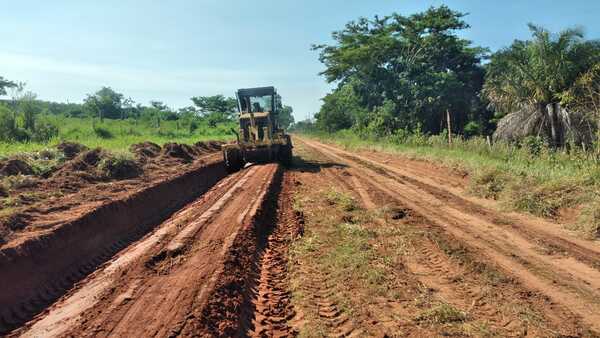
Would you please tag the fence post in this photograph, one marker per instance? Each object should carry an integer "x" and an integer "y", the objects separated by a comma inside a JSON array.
[{"x": 449, "y": 127}]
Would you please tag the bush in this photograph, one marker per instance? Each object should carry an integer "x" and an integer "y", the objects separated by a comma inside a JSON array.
[
  {"x": 103, "y": 132},
  {"x": 543, "y": 199},
  {"x": 589, "y": 220},
  {"x": 488, "y": 183},
  {"x": 44, "y": 132},
  {"x": 8, "y": 124}
]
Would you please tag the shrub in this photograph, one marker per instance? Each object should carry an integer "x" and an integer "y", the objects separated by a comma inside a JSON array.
[
  {"x": 589, "y": 220},
  {"x": 488, "y": 182},
  {"x": 103, "y": 132},
  {"x": 44, "y": 131},
  {"x": 543, "y": 199}
]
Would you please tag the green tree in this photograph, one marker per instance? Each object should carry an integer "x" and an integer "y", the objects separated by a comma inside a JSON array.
[
  {"x": 215, "y": 109},
  {"x": 105, "y": 103},
  {"x": 28, "y": 106},
  {"x": 285, "y": 117},
  {"x": 215, "y": 104},
  {"x": 539, "y": 72},
  {"x": 4, "y": 84},
  {"x": 414, "y": 68},
  {"x": 585, "y": 94},
  {"x": 338, "y": 110},
  {"x": 8, "y": 124}
]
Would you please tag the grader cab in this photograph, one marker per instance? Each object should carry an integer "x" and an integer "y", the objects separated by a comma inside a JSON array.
[{"x": 259, "y": 138}]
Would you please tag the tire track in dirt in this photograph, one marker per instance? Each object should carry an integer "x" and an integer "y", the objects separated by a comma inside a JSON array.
[
  {"x": 435, "y": 210},
  {"x": 160, "y": 285},
  {"x": 544, "y": 233},
  {"x": 272, "y": 312}
]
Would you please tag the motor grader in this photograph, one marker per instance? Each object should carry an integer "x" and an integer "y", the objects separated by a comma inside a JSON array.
[{"x": 260, "y": 139}]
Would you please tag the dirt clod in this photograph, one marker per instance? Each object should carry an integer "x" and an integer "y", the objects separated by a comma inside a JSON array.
[
  {"x": 398, "y": 213},
  {"x": 179, "y": 151},
  {"x": 71, "y": 149},
  {"x": 15, "y": 166},
  {"x": 120, "y": 168}
]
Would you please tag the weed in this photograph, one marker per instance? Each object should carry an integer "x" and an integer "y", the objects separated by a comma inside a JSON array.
[
  {"x": 589, "y": 220},
  {"x": 103, "y": 132},
  {"x": 543, "y": 199},
  {"x": 345, "y": 201},
  {"x": 441, "y": 314},
  {"x": 488, "y": 182},
  {"x": 19, "y": 182}
]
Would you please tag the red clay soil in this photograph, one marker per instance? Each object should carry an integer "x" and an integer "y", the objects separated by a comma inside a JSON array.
[
  {"x": 556, "y": 272},
  {"x": 82, "y": 220},
  {"x": 192, "y": 276},
  {"x": 79, "y": 182}
]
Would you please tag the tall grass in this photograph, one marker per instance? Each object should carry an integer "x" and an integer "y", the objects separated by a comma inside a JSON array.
[{"x": 119, "y": 134}]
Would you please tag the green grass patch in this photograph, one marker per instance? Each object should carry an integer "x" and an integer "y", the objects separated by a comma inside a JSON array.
[
  {"x": 118, "y": 134},
  {"x": 442, "y": 313}
]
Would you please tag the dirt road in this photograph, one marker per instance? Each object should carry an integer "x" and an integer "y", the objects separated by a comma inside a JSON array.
[
  {"x": 160, "y": 285},
  {"x": 390, "y": 247},
  {"x": 542, "y": 265}
]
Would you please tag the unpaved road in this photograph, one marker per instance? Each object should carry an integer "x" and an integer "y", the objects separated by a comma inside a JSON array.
[{"x": 221, "y": 265}]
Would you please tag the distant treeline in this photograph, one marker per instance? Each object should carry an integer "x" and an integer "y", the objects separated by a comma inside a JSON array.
[
  {"x": 404, "y": 74},
  {"x": 23, "y": 117}
]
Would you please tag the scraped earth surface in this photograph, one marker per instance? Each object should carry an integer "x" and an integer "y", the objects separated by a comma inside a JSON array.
[{"x": 340, "y": 244}]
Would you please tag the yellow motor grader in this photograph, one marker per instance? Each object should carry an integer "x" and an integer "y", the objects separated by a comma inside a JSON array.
[{"x": 260, "y": 138}]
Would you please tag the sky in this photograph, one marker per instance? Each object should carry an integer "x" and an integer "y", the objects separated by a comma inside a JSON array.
[{"x": 173, "y": 50}]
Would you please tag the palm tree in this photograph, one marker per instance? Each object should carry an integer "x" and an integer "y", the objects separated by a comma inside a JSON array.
[{"x": 538, "y": 72}]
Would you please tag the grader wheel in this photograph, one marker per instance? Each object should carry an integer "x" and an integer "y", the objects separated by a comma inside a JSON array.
[{"x": 233, "y": 159}]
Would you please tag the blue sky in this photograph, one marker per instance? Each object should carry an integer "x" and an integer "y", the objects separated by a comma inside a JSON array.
[{"x": 173, "y": 50}]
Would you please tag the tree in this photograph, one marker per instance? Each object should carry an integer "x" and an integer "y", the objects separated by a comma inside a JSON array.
[
  {"x": 4, "y": 84},
  {"x": 28, "y": 106},
  {"x": 337, "y": 110},
  {"x": 585, "y": 93},
  {"x": 216, "y": 109},
  {"x": 105, "y": 103},
  {"x": 285, "y": 118},
  {"x": 215, "y": 104},
  {"x": 539, "y": 73},
  {"x": 8, "y": 124},
  {"x": 407, "y": 70}
]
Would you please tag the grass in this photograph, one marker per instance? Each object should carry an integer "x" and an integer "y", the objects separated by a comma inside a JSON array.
[
  {"x": 541, "y": 182},
  {"x": 118, "y": 134},
  {"x": 441, "y": 313}
]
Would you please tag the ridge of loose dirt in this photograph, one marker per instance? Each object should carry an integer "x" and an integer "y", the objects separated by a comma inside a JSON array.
[
  {"x": 186, "y": 278},
  {"x": 40, "y": 266}
]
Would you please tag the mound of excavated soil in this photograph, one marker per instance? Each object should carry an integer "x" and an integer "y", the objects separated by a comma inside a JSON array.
[
  {"x": 215, "y": 145},
  {"x": 83, "y": 166},
  {"x": 145, "y": 149},
  {"x": 122, "y": 169},
  {"x": 180, "y": 151},
  {"x": 15, "y": 167},
  {"x": 202, "y": 147},
  {"x": 71, "y": 149}
]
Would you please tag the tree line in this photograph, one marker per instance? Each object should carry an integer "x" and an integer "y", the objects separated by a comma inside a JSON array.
[
  {"x": 415, "y": 74},
  {"x": 22, "y": 116}
]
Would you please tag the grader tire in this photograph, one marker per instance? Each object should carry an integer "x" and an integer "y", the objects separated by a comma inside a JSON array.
[
  {"x": 233, "y": 159},
  {"x": 285, "y": 155}
]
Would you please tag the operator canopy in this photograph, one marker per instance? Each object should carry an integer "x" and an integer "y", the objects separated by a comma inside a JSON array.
[{"x": 256, "y": 100}]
